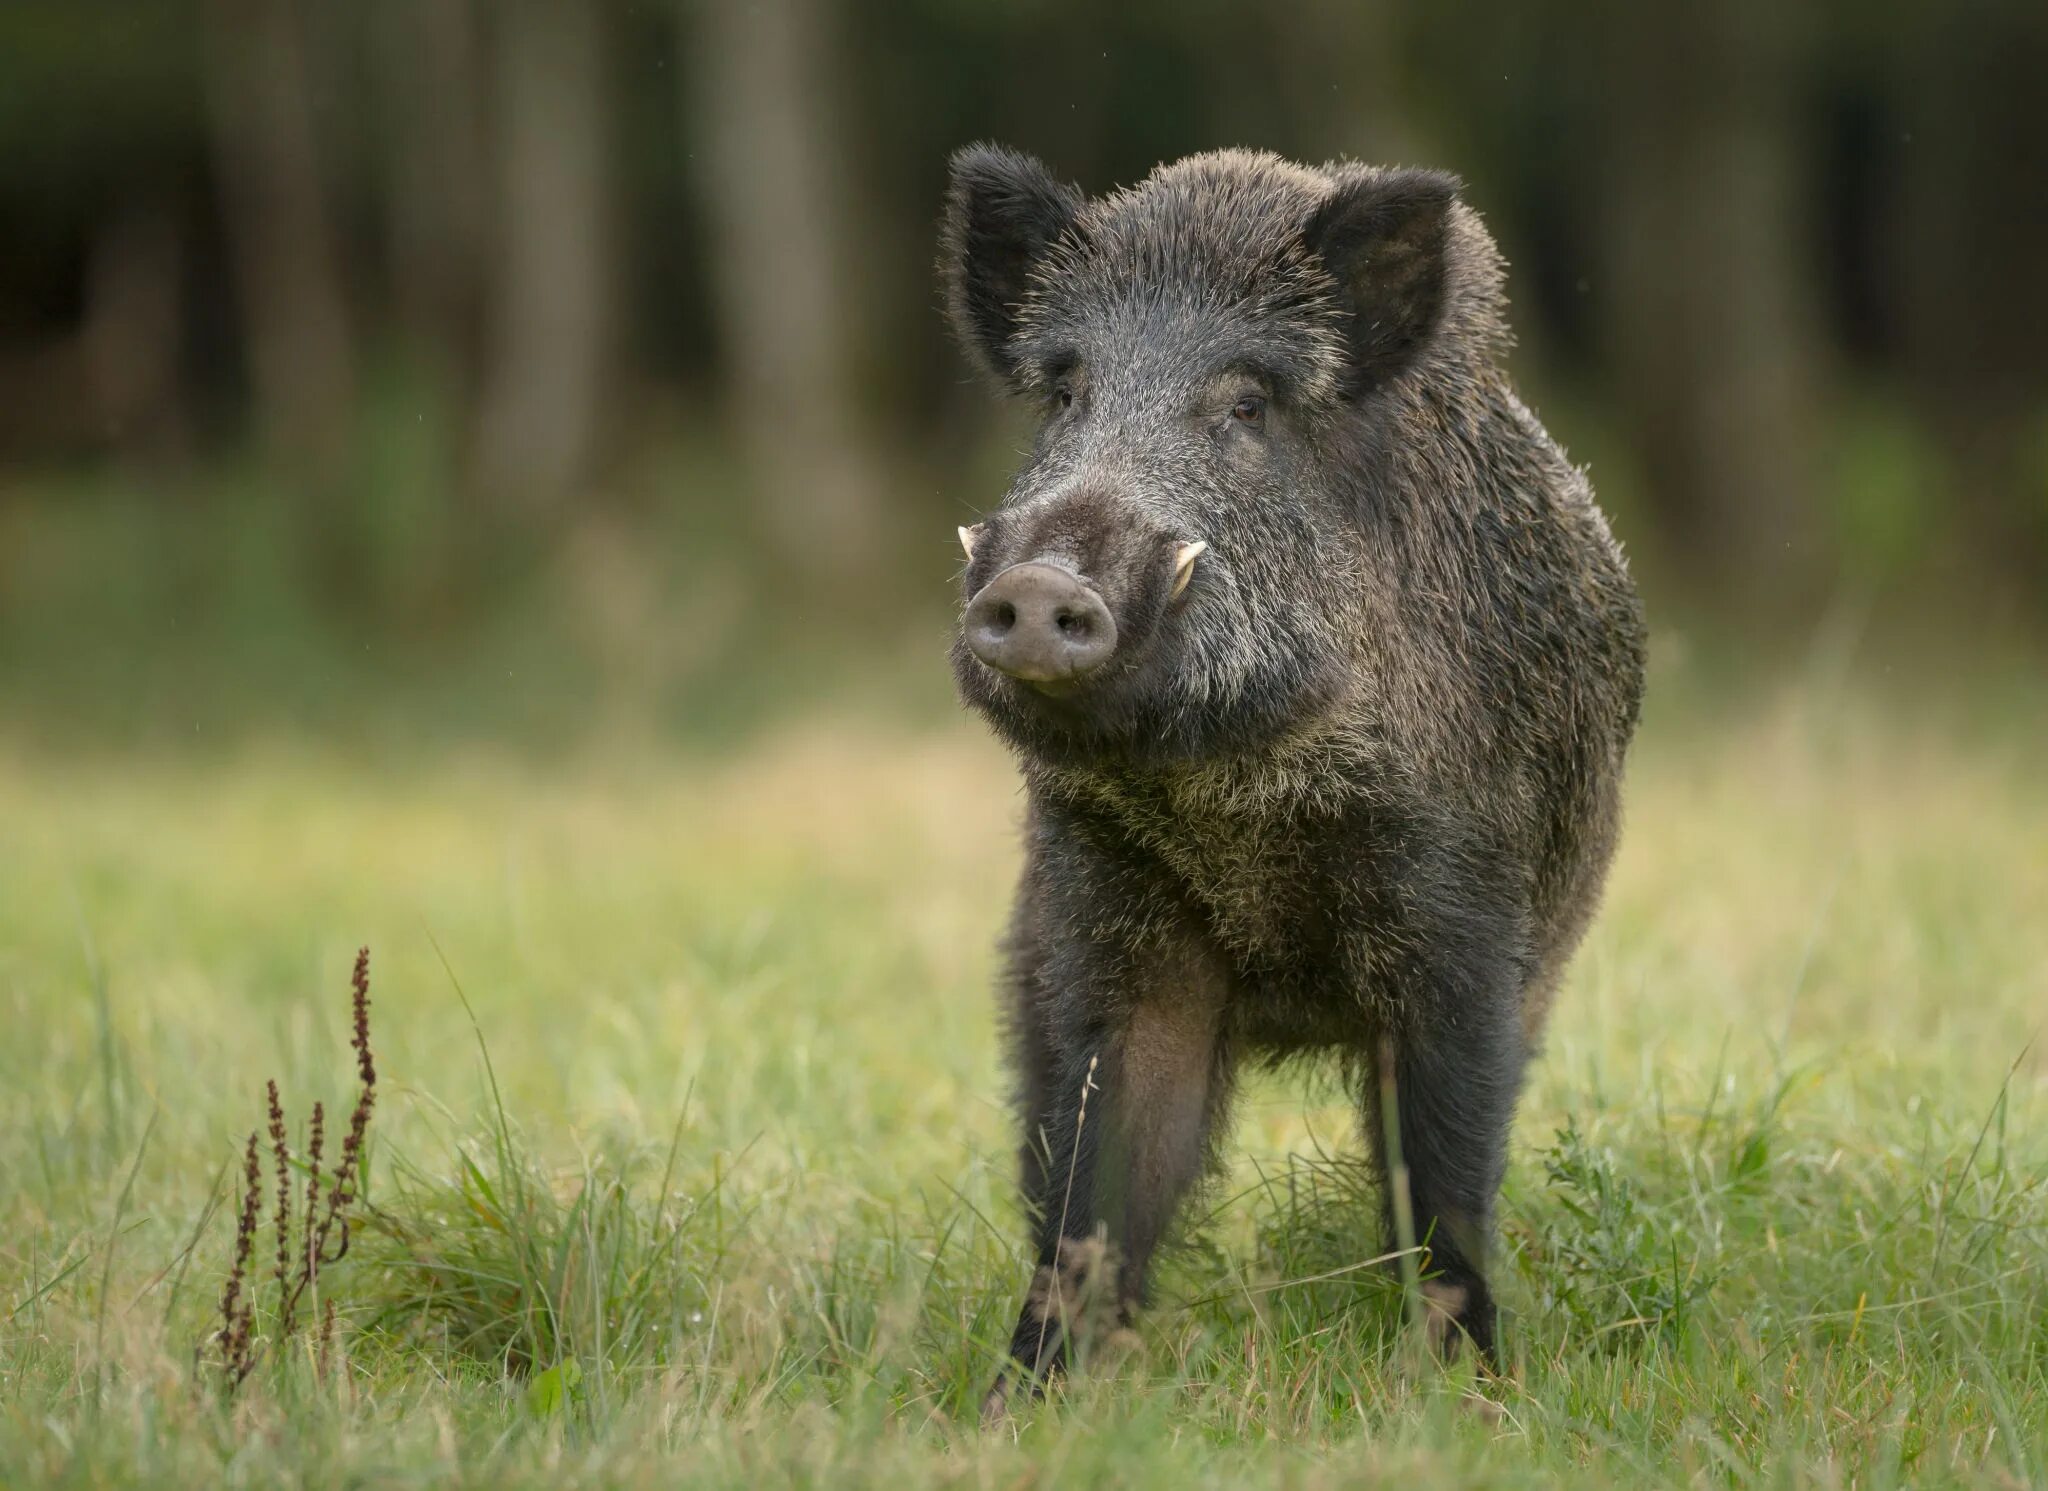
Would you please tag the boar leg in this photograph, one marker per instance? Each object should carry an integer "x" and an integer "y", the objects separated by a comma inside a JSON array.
[
  {"x": 1455, "y": 1056},
  {"x": 1121, "y": 1127},
  {"x": 1176, "y": 1072}
]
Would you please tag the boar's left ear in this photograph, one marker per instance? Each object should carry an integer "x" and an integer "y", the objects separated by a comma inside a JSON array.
[
  {"x": 1003, "y": 211},
  {"x": 1382, "y": 235}
]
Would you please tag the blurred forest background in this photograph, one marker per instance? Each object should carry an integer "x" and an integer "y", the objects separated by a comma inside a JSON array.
[{"x": 512, "y": 359}]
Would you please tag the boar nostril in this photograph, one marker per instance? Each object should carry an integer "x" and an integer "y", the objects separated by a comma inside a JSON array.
[{"x": 1006, "y": 616}]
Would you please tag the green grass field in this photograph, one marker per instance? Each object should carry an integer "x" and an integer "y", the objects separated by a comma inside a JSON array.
[{"x": 728, "y": 1202}]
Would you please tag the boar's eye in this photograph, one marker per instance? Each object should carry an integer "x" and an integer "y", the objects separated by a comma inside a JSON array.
[
  {"x": 1249, "y": 410},
  {"x": 1064, "y": 396}
]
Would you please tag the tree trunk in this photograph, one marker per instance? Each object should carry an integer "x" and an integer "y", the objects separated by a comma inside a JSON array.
[
  {"x": 1971, "y": 236},
  {"x": 774, "y": 176},
  {"x": 430, "y": 63},
  {"x": 548, "y": 321},
  {"x": 1712, "y": 354},
  {"x": 133, "y": 336},
  {"x": 286, "y": 262},
  {"x": 1338, "y": 82}
]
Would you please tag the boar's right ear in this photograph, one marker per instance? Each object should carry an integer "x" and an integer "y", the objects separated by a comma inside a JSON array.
[
  {"x": 1003, "y": 211},
  {"x": 1383, "y": 235}
]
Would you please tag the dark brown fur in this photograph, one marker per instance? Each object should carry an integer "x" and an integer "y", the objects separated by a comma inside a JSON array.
[{"x": 1360, "y": 783}]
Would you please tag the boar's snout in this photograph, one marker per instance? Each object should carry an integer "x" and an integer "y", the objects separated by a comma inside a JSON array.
[{"x": 1040, "y": 623}]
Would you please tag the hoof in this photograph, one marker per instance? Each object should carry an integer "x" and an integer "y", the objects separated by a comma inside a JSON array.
[
  {"x": 995, "y": 1404},
  {"x": 1484, "y": 1409},
  {"x": 1121, "y": 1345}
]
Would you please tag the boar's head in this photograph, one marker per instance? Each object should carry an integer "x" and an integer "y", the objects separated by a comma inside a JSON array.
[{"x": 1211, "y": 357}]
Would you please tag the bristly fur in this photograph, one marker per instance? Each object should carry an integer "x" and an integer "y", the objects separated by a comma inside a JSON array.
[{"x": 1362, "y": 779}]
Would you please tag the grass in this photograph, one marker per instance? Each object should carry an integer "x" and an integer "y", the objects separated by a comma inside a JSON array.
[{"x": 690, "y": 1167}]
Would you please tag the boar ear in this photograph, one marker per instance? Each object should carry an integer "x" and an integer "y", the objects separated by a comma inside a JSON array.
[
  {"x": 1382, "y": 235},
  {"x": 1003, "y": 211}
]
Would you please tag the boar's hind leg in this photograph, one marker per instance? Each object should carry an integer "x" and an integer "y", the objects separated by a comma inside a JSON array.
[
  {"x": 1455, "y": 1057},
  {"x": 1110, "y": 1153}
]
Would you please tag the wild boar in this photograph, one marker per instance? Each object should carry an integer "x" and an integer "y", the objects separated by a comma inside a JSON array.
[{"x": 1320, "y": 664}]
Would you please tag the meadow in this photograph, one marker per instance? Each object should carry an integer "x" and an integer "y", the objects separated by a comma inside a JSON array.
[{"x": 690, "y": 1159}]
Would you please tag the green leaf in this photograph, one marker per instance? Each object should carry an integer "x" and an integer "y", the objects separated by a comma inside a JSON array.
[{"x": 552, "y": 1391}]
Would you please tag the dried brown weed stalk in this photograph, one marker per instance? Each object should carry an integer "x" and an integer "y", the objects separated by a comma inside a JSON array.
[{"x": 322, "y": 1235}]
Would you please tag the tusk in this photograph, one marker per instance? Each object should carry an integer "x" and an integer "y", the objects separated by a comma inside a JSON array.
[
  {"x": 1184, "y": 565},
  {"x": 967, "y": 538}
]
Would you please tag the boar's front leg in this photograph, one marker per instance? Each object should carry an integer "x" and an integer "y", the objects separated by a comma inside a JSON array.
[{"x": 1125, "y": 1075}]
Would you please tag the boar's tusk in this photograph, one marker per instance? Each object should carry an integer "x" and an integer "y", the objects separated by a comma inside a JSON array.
[
  {"x": 967, "y": 538},
  {"x": 1184, "y": 565}
]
